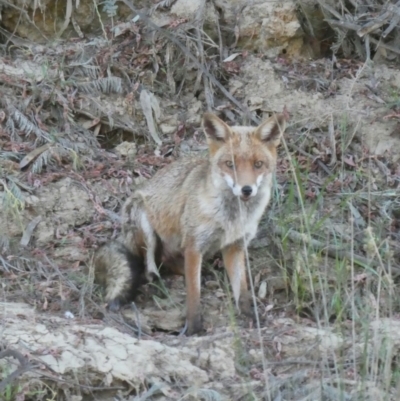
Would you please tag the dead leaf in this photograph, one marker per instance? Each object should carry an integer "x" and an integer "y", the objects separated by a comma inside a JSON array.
[
  {"x": 285, "y": 113},
  {"x": 149, "y": 103},
  {"x": 31, "y": 156},
  {"x": 120, "y": 29},
  {"x": 262, "y": 292},
  {"x": 278, "y": 347},
  {"x": 97, "y": 130},
  {"x": 26, "y": 237},
  {"x": 349, "y": 161},
  {"x": 358, "y": 278},
  {"x": 90, "y": 123},
  {"x": 231, "y": 57},
  {"x": 358, "y": 219}
]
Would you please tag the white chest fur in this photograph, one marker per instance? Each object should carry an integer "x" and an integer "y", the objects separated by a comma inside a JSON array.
[
  {"x": 223, "y": 221},
  {"x": 245, "y": 222}
]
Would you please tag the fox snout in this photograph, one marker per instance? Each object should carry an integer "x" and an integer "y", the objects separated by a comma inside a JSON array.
[
  {"x": 245, "y": 191},
  {"x": 248, "y": 191}
]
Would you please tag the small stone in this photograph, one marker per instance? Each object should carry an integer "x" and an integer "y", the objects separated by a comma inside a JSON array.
[
  {"x": 212, "y": 285},
  {"x": 262, "y": 291},
  {"x": 126, "y": 149}
]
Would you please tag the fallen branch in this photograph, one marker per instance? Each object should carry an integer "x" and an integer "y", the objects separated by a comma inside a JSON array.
[
  {"x": 25, "y": 366},
  {"x": 370, "y": 22}
]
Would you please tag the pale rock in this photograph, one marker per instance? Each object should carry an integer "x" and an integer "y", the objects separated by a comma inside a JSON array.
[
  {"x": 126, "y": 149},
  {"x": 266, "y": 26}
]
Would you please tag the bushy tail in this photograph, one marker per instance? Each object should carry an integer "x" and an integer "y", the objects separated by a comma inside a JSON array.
[{"x": 120, "y": 271}]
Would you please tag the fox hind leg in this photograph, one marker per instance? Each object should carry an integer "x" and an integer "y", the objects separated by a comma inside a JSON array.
[
  {"x": 139, "y": 234},
  {"x": 194, "y": 321}
]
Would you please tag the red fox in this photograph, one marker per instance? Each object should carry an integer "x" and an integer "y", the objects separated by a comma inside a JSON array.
[{"x": 191, "y": 209}]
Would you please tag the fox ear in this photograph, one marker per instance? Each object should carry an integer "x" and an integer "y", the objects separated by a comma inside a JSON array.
[
  {"x": 271, "y": 130},
  {"x": 214, "y": 128}
]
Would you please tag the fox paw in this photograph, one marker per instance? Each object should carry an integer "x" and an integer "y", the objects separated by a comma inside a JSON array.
[
  {"x": 151, "y": 276},
  {"x": 246, "y": 305},
  {"x": 193, "y": 326},
  {"x": 114, "y": 305}
]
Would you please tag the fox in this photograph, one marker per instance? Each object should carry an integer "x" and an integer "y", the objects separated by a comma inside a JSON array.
[{"x": 191, "y": 209}]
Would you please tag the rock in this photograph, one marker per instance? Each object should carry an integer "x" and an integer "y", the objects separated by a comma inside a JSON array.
[
  {"x": 212, "y": 284},
  {"x": 386, "y": 330},
  {"x": 114, "y": 357},
  {"x": 262, "y": 292},
  {"x": 72, "y": 253},
  {"x": 70, "y": 205},
  {"x": 270, "y": 27},
  {"x": 126, "y": 149},
  {"x": 169, "y": 126},
  {"x": 171, "y": 319},
  {"x": 327, "y": 340},
  {"x": 194, "y": 112},
  {"x": 187, "y": 8},
  {"x": 195, "y": 10}
]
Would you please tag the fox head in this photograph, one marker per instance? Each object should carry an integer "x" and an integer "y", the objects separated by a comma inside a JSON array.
[{"x": 243, "y": 158}]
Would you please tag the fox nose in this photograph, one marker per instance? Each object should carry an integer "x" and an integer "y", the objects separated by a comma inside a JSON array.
[{"x": 247, "y": 190}]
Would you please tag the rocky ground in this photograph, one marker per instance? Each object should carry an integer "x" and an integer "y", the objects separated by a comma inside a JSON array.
[{"x": 84, "y": 118}]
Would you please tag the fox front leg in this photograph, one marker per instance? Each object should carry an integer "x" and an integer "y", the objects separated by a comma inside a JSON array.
[
  {"x": 193, "y": 260},
  {"x": 234, "y": 261}
]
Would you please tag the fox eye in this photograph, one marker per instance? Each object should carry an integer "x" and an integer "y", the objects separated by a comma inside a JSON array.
[
  {"x": 258, "y": 164},
  {"x": 229, "y": 163}
]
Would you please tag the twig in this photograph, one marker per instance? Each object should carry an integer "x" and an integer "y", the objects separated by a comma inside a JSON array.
[
  {"x": 83, "y": 386},
  {"x": 343, "y": 24},
  {"x": 384, "y": 45},
  {"x": 393, "y": 24},
  {"x": 134, "y": 329},
  {"x": 199, "y": 19},
  {"x": 374, "y": 25},
  {"x": 139, "y": 326},
  {"x": 68, "y": 14},
  {"x": 329, "y": 9},
  {"x": 25, "y": 366},
  {"x": 26, "y": 237},
  {"x": 354, "y": 27}
]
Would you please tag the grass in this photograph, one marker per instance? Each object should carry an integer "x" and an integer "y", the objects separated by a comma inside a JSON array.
[
  {"x": 164, "y": 300},
  {"x": 335, "y": 294},
  {"x": 11, "y": 390}
]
